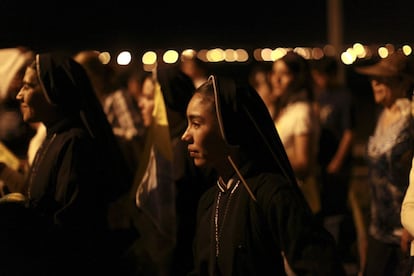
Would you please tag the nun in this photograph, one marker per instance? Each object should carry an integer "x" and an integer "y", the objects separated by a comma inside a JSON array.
[
  {"x": 254, "y": 219},
  {"x": 76, "y": 173}
]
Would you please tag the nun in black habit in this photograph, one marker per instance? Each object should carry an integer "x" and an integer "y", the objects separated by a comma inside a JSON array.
[
  {"x": 254, "y": 220},
  {"x": 77, "y": 172},
  {"x": 190, "y": 181}
]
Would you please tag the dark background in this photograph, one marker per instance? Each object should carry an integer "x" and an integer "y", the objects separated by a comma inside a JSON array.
[
  {"x": 142, "y": 25},
  {"x": 159, "y": 25}
]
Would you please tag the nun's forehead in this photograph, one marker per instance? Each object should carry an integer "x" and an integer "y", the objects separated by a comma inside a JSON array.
[
  {"x": 205, "y": 99},
  {"x": 201, "y": 110}
]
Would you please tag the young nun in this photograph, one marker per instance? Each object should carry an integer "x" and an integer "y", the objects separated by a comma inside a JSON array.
[{"x": 254, "y": 220}]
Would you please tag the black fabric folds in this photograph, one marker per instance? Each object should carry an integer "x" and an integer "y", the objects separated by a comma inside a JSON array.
[
  {"x": 258, "y": 138},
  {"x": 66, "y": 84},
  {"x": 177, "y": 88}
]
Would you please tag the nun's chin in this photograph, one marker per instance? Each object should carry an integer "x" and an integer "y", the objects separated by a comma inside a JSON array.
[{"x": 200, "y": 162}]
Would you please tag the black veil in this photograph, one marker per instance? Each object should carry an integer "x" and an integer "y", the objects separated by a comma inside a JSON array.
[
  {"x": 246, "y": 123},
  {"x": 66, "y": 84}
]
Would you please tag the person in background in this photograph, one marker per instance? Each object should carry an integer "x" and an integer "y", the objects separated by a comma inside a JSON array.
[
  {"x": 195, "y": 68},
  {"x": 77, "y": 172},
  {"x": 389, "y": 153},
  {"x": 134, "y": 79},
  {"x": 153, "y": 194},
  {"x": 190, "y": 181},
  {"x": 253, "y": 220},
  {"x": 407, "y": 214},
  {"x": 408, "y": 204},
  {"x": 295, "y": 118},
  {"x": 119, "y": 105},
  {"x": 162, "y": 201},
  {"x": 21, "y": 139},
  {"x": 337, "y": 120},
  {"x": 258, "y": 78},
  {"x": 146, "y": 99},
  {"x": 15, "y": 134},
  {"x": 127, "y": 98},
  {"x": 102, "y": 76}
]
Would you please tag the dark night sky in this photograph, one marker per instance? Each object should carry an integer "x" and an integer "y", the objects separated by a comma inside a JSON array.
[
  {"x": 151, "y": 25},
  {"x": 115, "y": 25}
]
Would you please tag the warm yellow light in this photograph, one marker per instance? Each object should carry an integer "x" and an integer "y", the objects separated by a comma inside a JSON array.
[
  {"x": 124, "y": 58},
  {"x": 149, "y": 57},
  {"x": 383, "y": 52},
  {"x": 347, "y": 58},
  {"x": 188, "y": 54},
  {"x": 215, "y": 55},
  {"x": 317, "y": 53},
  {"x": 230, "y": 55},
  {"x": 278, "y": 53},
  {"x": 104, "y": 57},
  {"x": 257, "y": 54},
  {"x": 359, "y": 50},
  {"x": 266, "y": 54},
  {"x": 407, "y": 50},
  {"x": 202, "y": 55},
  {"x": 170, "y": 56},
  {"x": 242, "y": 55},
  {"x": 304, "y": 52}
]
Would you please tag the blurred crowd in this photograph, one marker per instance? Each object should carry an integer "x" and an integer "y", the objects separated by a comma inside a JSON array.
[{"x": 95, "y": 168}]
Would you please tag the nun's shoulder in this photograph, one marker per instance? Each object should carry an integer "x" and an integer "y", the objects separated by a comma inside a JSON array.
[
  {"x": 270, "y": 182},
  {"x": 271, "y": 188}
]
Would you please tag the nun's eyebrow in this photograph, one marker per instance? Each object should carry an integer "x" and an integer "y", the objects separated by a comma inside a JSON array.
[
  {"x": 195, "y": 117},
  {"x": 29, "y": 83}
]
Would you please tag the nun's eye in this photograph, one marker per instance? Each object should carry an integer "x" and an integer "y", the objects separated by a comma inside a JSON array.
[{"x": 195, "y": 124}]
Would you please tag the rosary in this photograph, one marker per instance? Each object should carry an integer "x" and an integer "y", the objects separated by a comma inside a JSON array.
[{"x": 217, "y": 224}]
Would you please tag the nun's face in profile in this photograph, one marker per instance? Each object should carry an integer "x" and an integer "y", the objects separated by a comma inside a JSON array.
[
  {"x": 205, "y": 143},
  {"x": 33, "y": 103}
]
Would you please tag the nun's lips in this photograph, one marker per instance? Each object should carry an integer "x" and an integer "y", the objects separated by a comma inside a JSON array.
[{"x": 193, "y": 153}]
